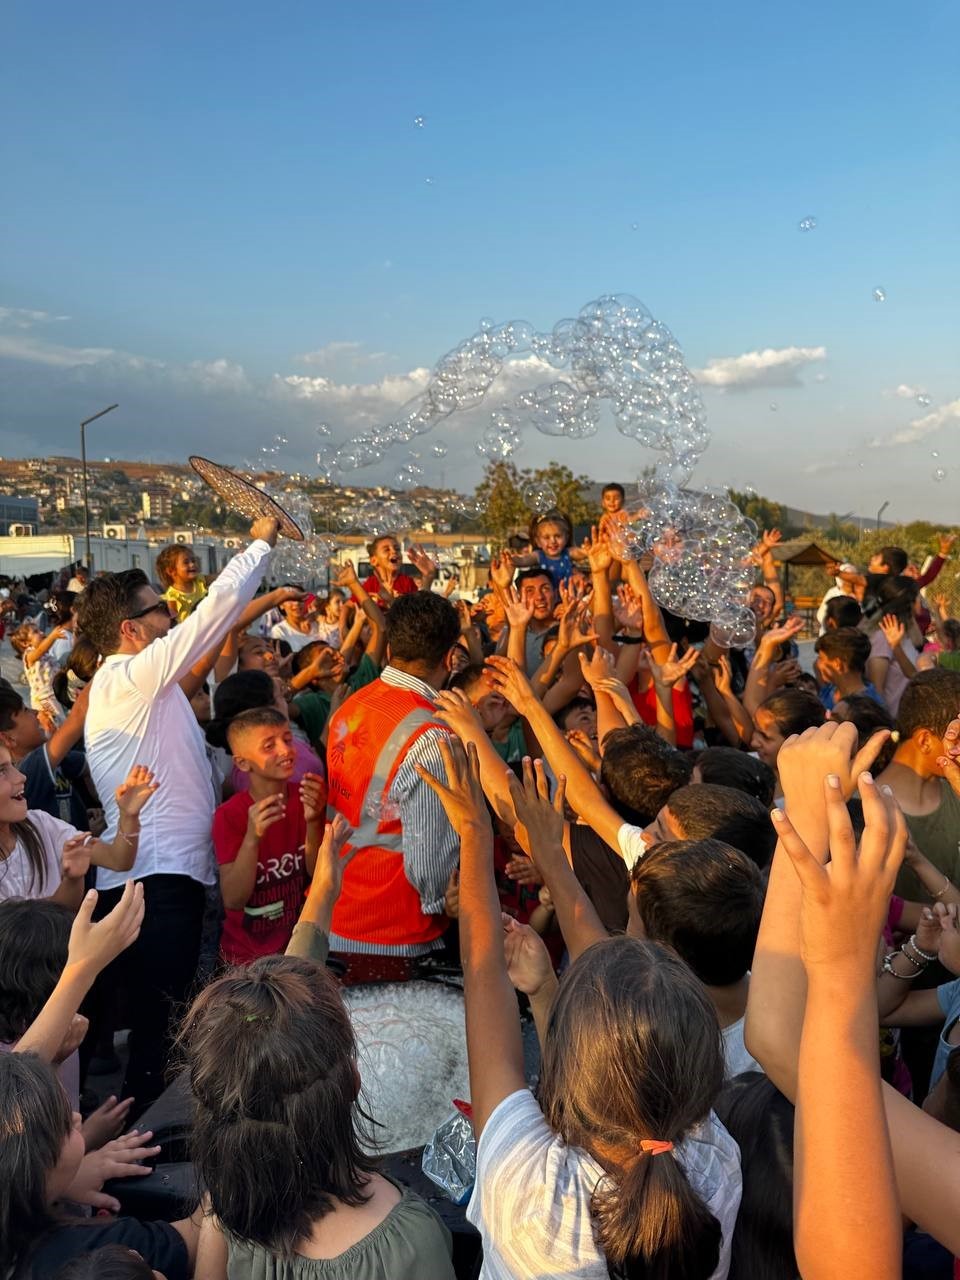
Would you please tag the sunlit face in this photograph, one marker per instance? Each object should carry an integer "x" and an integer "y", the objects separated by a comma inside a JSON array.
[
  {"x": 459, "y": 658},
  {"x": 186, "y": 568},
  {"x": 761, "y": 601},
  {"x": 538, "y": 594},
  {"x": 386, "y": 557},
  {"x": 877, "y": 565},
  {"x": 292, "y": 610},
  {"x": 257, "y": 655},
  {"x": 827, "y": 668},
  {"x": 13, "y": 798},
  {"x": 551, "y": 538},
  {"x": 266, "y": 751},
  {"x": 150, "y": 617},
  {"x": 27, "y": 732},
  {"x": 334, "y": 607},
  {"x": 767, "y": 738},
  {"x": 582, "y": 720},
  {"x": 491, "y": 705},
  {"x": 611, "y": 500}
]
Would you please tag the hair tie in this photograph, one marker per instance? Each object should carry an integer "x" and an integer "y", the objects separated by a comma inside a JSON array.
[
  {"x": 894, "y": 735},
  {"x": 655, "y": 1147}
]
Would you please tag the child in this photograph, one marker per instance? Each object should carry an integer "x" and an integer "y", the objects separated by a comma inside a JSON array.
[
  {"x": 620, "y": 1167},
  {"x": 550, "y": 536},
  {"x": 842, "y": 657},
  {"x": 703, "y": 899},
  {"x": 78, "y": 670},
  {"x": 387, "y": 582},
  {"x": 179, "y": 573},
  {"x": 265, "y": 838},
  {"x": 50, "y": 767},
  {"x": 281, "y": 1142},
  {"x": 38, "y": 667},
  {"x": 246, "y": 691},
  {"x": 42, "y": 857},
  {"x": 779, "y": 717}
]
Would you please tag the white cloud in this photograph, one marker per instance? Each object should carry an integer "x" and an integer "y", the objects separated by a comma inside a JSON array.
[
  {"x": 24, "y": 318},
  {"x": 32, "y": 351},
  {"x": 772, "y": 367},
  {"x": 904, "y": 392},
  {"x": 918, "y": 428},
  {"x": 340, "y": 354}
]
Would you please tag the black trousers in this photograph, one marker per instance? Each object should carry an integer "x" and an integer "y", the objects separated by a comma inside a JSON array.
[{"x": 158, "y": 973}]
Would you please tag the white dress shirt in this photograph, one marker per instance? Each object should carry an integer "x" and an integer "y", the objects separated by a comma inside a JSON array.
[{"x": 138, "y": 714}]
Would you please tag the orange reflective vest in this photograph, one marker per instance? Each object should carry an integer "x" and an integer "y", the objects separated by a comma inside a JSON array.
[{"x": 368, "y": 738}]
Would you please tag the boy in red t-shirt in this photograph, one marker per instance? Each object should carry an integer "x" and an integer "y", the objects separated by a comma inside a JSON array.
[{"x": 266, "y": 839}]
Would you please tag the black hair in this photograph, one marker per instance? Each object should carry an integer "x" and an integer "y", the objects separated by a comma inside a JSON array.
[
  {"x": 243, "y": 691},
  {"x": 794, "y": 710},
  {"x": 82, "y": 662},
  {"x": 34, "y": 933},
  {"x": 467, "y": 677},
  {"x": 930, "y": 701},
  {"x": 849, "y": 645},
  {"x": 255, "y": 718},
  {"x": 530, "y": 575},
  {"x": 105, "y": 603},
  {"x": 843, "y": 611},
  {"x": 11, "y": 704},
  {"x": 707, "y": 811},
  {"x": 896, "y": 595},
  {"x": 579, "y": 703},
  {"x": 760, "y": 1120},
  {"x": 422, "y": 628},
  {"x": 640, "y": 772},
  {"x": 703, "y": 899},
  {"x": 109, "y": 1262},
  {"x": 868, "y": 716},
  {"x": 308, "y": 654},
  {"x": 60, "y": 604},
  {"x": 895, "y": 558},
  {"x": 728, "y": 767},
  {"x": 614, "y": 487}
]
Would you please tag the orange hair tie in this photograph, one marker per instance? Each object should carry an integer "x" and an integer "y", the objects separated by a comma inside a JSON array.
[{"x": 654, "y": 1147}]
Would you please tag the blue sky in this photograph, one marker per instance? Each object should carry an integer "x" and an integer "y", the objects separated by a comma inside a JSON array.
[{"x": 198, "y": 197}]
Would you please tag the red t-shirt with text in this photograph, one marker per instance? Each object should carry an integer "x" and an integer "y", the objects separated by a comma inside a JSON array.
[{"x": 264, "y": 926}]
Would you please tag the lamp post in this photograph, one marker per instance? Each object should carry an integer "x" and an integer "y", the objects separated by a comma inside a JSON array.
[
  {"x": 880, "y": 513},
  {"x": 83, "y": 463}
]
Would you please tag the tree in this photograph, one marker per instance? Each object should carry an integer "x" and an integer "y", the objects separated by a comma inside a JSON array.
[{"x": 500, "y": 497}]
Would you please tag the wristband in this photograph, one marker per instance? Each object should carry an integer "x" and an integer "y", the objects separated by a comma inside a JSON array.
[{"x": 887, "y": 967}]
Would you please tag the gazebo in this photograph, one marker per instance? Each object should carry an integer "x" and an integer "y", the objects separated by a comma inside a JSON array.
[{"x": 806, "y": 554}]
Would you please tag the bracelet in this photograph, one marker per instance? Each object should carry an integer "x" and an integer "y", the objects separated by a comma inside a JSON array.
[
  {"x": 946, "y": 885},
  {"x": 919, "y": 965},
  {"x": 129, "y": 836},
  {"x": 924, "y": 955},
  {"x": 887, "y": 967}
]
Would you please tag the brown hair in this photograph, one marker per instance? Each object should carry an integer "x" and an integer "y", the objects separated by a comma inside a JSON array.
[
  {"x": 633, "y": 1052},
  {"x": 278, "y": 1134},
  {"x": 167, "y": 562}
]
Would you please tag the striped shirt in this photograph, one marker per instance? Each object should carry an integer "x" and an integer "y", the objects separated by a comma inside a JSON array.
[
  {"x": 531, "y": 1198},
  {"x": 431, "y": 847}
]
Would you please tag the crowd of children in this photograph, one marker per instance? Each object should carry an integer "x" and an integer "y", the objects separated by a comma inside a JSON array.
[{"x": 725, "y": 889}]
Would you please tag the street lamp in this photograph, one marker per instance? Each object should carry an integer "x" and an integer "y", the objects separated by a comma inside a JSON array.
[
  {"x": 83, "y": 462},
  {"x": 880, "y": 514}
]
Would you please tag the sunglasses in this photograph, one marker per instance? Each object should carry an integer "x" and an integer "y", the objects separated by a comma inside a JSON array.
[{"x": 159, "y": 607}]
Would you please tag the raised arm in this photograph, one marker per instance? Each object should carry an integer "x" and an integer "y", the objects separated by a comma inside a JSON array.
[
  {"x": 768, "y": 567},
  {"x": 654, "y": 630},
  {"x": 494, "y": 1046}
]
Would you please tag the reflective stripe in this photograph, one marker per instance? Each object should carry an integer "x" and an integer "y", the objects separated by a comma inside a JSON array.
[{"x": 367, "y": 832}]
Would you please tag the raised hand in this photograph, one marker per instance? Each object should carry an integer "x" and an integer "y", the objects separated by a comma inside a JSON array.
[
  {"x": 75, "y": 857},
  {"x": 628, "y": 609},
  {"x": 420, "y": 560},
  {"x": 328, "y": 872},
  {"x": 597, "y": 547},
  {"x": 105, "y": 1122},
  {"x": 845, "y": 901},
  {"x": 136, "y": 790},
  {"x": 786, "y": 631},
  {"x": 893, "y": 630},
  {"x": 768, "y": 540},
  {"x": 528, "y": 961},
  {"x": 575, "y": 629},
  {"x": 946, "y": 541},
  {"x": 673, "y": 669},
  {"x": 93, "y": 945},
  {"x": 502, "y": 570},
  {"x": 283, "y": 595},
  {"x": 517, "y": 613},
  {"x": 539, "y": 828},
  {"x": 313, "y": 797},
  {"x": 462, "y": 794},
  {"x": 507, "y": 678},
  {"x": 723, "y": 676},
  {"x": 458, "y": 713},
  {"x": 262, "y": 815},
  {"x": 266, "y": 529},
  {"x": 585, "y": 748},
  {"x": 948, "y": 947},
  {"x": 346, "y": 578},
  {"x": 601, "y": 665},
  {"x": 521, "y": 870}
]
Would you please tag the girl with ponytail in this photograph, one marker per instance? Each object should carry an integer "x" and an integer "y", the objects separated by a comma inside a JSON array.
[{"x": 620, "y": 1168}]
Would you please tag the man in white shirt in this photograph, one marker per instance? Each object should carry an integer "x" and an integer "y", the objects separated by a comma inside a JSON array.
[{"x": 138, "y": 713}]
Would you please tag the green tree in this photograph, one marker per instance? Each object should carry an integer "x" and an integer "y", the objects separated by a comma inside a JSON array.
[{"x": 499, "y": 497}]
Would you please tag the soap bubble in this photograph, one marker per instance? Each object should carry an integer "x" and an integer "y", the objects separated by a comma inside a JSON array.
[
  {"x": 939, "y": 474},
  {"x": 774, "y": 406},
  {"x": 807, "y": 224},
  {"x": 879, "y": 295},
  {"x": 923, "y": 400},
  {"x": 734, "y": 628},
  {"x": 430, "y": 181},
  {"x": 439, "y": 450},
  {"x": 538, "y": 496},
  {"x": 934, "y": 453},
  {"x": 419, "y": 121},
  {"x": 323, "y": 431}
]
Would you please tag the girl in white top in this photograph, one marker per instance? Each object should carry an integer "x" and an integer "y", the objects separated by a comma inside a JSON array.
[
  {"x": 620, "y": 1167},
  {"x": 43, "y": 857},
  {"x": 39, "y": 667}
]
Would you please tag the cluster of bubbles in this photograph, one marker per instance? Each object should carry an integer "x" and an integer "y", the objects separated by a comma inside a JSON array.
[
  {"x": 539, "y": 497},
  {"x": 375, "y": 518},
  {"x": 304, "y": 561},
  {"x": 276, "y": 445},
  {"x": 923, "y": 399},
  {"x": 807, "y": 224},
  {"x": 612, "y": 358},
  {"x": 879, "y": 295}
]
